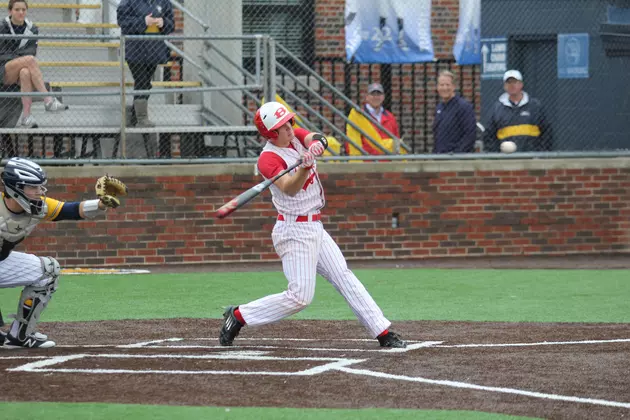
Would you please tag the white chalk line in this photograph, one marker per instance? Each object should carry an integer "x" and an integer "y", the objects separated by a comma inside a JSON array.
[
  {"x": 465, "y": 385},
  {"x": 415, "y": 344},
  {"x": 45, "y": 366},
  {"x": 334, "y": 365},
  {"x": 342, "y": 350},
  {"x": 542, "y": 343},
  {"x": 148, "y": 343}
]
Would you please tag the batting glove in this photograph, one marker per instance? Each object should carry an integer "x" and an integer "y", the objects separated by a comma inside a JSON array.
[
  {"x": 308, "y": 160},
  {"x": 318, "y": 145},
  {"x": 316, "y": 148}
]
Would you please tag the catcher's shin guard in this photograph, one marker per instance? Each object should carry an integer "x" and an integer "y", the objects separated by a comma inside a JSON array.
[
  {"x": 34, "y": 300},
  {"x": 230, "y": 328}
]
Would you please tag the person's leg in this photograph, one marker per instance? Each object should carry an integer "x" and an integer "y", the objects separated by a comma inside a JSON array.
[
  {"x": 142, "y": 74},
  {"x": 39, "y": 276},
  {"x": 26, "y": 85},
  {"x": 333, "y": 267},
  {"x": 12, "y": 73},
  {"x": 298, "y": 246},
  {"x": 14, "y": 67}
]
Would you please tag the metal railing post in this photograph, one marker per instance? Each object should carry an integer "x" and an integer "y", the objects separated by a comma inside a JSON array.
[
  {"x": 123, "y": 100},
  {"x": 266, "y": 67},
  {"x": 272, "y": 69},
  {"x": 258, "y": 39}
]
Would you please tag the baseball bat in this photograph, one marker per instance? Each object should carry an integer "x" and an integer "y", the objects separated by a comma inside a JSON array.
[{"x": 244, "y": 198}]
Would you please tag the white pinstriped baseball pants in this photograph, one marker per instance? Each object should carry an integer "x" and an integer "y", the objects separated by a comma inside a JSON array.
[
  {"x": 20, "y": 269},
  {"x": 306, "y": 250}
]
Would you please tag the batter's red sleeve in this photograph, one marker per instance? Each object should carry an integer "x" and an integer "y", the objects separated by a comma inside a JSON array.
[
  {"x": 270, "y": 164},
  {"x": 300, "y": 134}
]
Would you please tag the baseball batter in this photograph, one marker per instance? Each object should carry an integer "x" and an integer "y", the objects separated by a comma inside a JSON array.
[
  {"x": 299, "y": 237},
  {"x": 23, "y": 206}
]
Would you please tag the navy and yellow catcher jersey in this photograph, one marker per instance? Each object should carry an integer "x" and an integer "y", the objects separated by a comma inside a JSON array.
[{"x": 14, "y": 227}]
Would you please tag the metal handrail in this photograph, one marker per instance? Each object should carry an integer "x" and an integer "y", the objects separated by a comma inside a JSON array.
[
  {"x": 333, "y": 109},
  {"x": 392, "y": 158},
  {"x": 345, "y": 99},
  {"x": 187, "y": 12}
]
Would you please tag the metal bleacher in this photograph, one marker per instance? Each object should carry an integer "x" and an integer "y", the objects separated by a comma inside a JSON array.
[{"x": 94, "y": 65}]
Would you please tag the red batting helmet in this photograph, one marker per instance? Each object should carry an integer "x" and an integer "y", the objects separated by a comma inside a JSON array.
[{"x": 270, "y": 117}]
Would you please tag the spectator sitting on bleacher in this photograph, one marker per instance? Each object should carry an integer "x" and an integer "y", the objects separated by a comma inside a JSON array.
[
  {"x": 150, "y": 17},
  {"x": 18, "y": 63}
]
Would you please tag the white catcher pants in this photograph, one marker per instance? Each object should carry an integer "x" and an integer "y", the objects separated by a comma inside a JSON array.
[
  {"x": 20, "y": 269},
  {"x": 306, "y": 250}
]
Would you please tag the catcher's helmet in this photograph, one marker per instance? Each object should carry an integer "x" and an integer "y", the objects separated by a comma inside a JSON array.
[
  {"x": 19, "y": 172},
  {"x": 270, "y": 117}
]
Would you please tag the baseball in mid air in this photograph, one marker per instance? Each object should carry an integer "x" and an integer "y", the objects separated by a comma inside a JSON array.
[{"x": 508, "y": 147}]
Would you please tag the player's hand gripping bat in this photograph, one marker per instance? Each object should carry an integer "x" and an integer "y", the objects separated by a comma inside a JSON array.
[{"x": 253, "y": 192}]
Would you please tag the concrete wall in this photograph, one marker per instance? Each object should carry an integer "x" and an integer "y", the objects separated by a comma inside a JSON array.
[{"x": 223, "y": 20}]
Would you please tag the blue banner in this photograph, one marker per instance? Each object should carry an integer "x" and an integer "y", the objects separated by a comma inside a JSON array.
[
  {"x": 573, "y": 56},
  {"x": 388, "y": 31},
  {"x": 467, "y": 48}
]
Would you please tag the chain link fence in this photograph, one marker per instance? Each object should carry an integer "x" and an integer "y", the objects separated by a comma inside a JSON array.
[
  {"x": 570, "y": 91},
  {"x": 572, "y": 57}
]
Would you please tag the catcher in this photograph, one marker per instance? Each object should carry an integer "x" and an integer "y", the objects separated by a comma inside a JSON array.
[{"x": 24, "y": 204}]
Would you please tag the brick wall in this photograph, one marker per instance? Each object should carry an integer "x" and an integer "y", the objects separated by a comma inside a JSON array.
[{"x": 444, "y": 209}]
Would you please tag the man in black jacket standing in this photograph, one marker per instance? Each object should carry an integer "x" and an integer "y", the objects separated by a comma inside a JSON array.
[
  {"x": 140, "y": 17},
  {"x": 454, "y": 127},
  {"x": 519, "y": 118}
]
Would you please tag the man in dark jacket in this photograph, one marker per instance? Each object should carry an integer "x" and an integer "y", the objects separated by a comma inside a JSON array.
[
  {"x": 150, "y": 17},
  {"x": 519, "y": 118},
  {"x": 455, "y": 126}
]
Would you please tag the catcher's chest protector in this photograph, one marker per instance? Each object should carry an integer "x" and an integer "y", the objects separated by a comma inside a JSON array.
[{"x": 15, "y": 227}]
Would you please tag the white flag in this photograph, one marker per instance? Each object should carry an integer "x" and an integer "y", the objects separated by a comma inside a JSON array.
[{"x": 467, "y": 48}]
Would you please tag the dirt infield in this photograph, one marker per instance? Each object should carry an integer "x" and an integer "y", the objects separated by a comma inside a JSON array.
[{"x": 562, "y": 371}]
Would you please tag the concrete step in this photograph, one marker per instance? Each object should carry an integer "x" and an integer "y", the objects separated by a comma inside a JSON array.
[
  {"x": 76, "y": 54},
  {"x": 107, "y": 100},
  {"x": 78, "y": 74},
  {"x": 110, "y": 116}
]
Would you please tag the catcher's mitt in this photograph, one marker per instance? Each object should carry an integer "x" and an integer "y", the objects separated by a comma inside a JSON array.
[{"x": 108, "y": 189}]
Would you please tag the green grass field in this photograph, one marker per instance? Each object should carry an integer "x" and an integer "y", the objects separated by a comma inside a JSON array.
[{"x": 423, "y": 294}]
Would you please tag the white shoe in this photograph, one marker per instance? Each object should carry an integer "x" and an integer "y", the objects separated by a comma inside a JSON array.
[
  {"x": 35, "y": 340},
  {"x": 55, "y": 106},
  {"x": 27, "y": 122}
]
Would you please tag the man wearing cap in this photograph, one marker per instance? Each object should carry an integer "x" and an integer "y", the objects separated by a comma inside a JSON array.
[
  {"x": 517, "y": 117},
  {"x": 374, "y": 108},
  {"x": 455, "y": 125}
]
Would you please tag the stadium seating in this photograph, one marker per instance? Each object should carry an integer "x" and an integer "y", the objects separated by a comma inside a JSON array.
[{"x": 94, "y": 66}]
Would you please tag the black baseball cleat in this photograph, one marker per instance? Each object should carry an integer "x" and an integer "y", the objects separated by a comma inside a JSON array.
[
  {"x": 230, "y": 328},
  {"x": 33, "y": 341},
  {"x": 3, "y": 336},
  {"x": 392, "y": 340}
]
